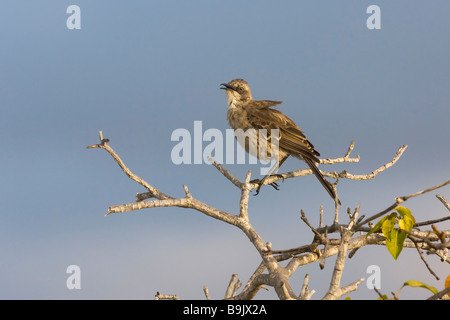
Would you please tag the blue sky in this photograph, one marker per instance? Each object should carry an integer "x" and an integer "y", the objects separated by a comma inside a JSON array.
[{"x": 139, "y": 70}]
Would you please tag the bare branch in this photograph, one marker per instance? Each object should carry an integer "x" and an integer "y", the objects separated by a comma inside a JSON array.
[
  {"x": 314, "y": 230},
  {"x": 404, "y": 198},
  {"x": 423, "y": 259},
  {"x": 333, "y": 249},
  {"x": 159, "y": 296},
  {"x": 350, "y": 287},
  {"x": 250, "y": 291},
  {"x": 226, "y": 173},
  {"x": 335, "y": 291},
  {"x": 428, "y": 222},
  {"x": 345, "y": 174},
  {"x": 305, "y": 293},
  {"x": 321, "y": 216},
  {"x": 186, "y": 190},
  {"x": 377, "y": 215},
  {"x": 143, "y": 196},
  {"x": 278, "y": 276},
  {"x": 231, "y": 286},
  {"x": 243, "y": 203},
  {"x": 325, "y": 250},
  {"x": 345, "y": 158},
  {"x": 444, "y": 201},
  {"x": 350, "y": 149},
  {"x": 382, "y": 297},
  {"x": 237, "y": 285},
  {"x": 103, "y": 145},
  {"x": 398, "y": 201},
  {"x": 181, "y": 203},
  {"x": 206, "y": 291}
]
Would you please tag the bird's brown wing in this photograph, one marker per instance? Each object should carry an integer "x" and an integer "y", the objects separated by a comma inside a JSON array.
[
  {"x": 262, "y": 104},
  {"x": 292, "y": 140}
]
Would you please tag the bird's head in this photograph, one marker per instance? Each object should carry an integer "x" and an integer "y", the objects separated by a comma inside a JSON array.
[{"x": 237, "y": 90}]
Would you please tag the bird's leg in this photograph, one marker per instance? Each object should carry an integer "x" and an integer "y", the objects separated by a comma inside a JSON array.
[
  {"x": 273, "y": 184},
  {"x": 261, "y": 183}
]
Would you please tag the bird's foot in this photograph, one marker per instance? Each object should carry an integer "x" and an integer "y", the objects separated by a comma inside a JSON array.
[{"x": 261, "y": 183}]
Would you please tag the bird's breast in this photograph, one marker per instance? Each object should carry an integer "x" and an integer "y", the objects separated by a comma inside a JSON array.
[
  {"x": 250, "y": 139},
  {"x": 237, "y": 117}
]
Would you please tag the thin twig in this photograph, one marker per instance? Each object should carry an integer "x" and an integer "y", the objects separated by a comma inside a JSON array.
[
  {"x": 379, "y": 293},
  {"x": 325, "y": 250},
  {"x": 226, "y": 173},
  {"x": 230, "y": 287},
  {"x": 444, "y": 201},
  {"x": 335, "y": 175},
  {"x": 206, "y": 291},
  {"x": 321, "y": 216},
  {"x": 345, "y": 174},
  {"x": 305, "y": 293},
  {"x": 159, "y": 296},
  {"x": 345, "y": 158},
  {"x": 423, "y": 259},
  {"x": 398, "y": 201},
  {"x": 426, "y": 190},
  {"x": 428, "y": 222},
  {"x": 314, "y": 230},
  {"x": 103, "y": 145}
]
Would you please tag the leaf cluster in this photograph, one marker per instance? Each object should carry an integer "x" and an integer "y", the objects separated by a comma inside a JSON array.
[{"x": 395, "y": 237}]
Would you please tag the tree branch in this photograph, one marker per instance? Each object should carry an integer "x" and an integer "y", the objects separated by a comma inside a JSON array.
[
  {"x": 153, "y": 191},
  {"x": 398, "y": 201},
  {"x": 278, "y": 276},
  {"x": 444, "y": 201},
  {"x": 160, "y": 296},
  {"x": 345, "y": 174}
]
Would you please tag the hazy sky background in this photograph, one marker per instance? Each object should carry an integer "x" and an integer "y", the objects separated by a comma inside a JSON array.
[{"x": 137, "y": 70}]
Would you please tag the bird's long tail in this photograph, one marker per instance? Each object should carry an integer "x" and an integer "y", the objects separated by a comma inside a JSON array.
[{"x": 327, "y": 185}]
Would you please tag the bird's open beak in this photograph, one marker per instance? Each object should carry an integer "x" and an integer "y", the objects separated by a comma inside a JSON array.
[{"x": 227, "y": 86}]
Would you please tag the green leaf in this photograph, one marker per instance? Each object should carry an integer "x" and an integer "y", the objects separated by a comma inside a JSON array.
[
  {"x": 388, "y": 224},
  {"x": 394, "y": 242},
  {"x": 395, "y": 238},
  {"x": 415, "y": 283},
  {"x": 406, "y": 214},
  {"x": 402, "y": 210},
  {"x": 377, "y": 226},
  {"x": 408, "y": 221},
  {"x": 406, "y": 224}
]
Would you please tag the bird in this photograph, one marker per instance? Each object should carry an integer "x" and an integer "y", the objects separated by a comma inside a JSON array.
[{"x": 244, "y": 113}]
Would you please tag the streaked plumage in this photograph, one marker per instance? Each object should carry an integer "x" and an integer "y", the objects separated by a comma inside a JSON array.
[{"x": 245, "y": 113}]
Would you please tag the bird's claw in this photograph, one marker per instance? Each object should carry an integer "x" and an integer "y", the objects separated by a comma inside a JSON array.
[
  {"x": 275, "y": 185},
  {"x": 260, "y": 184}
]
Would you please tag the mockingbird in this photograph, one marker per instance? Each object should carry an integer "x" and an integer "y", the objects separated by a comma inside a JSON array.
[{"x": 245, "y": 113}]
